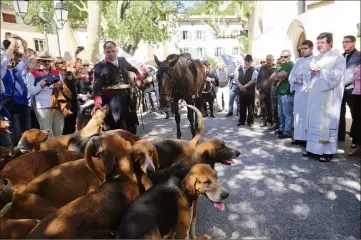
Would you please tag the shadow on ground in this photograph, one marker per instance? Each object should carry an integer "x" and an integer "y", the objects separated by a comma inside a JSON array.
[{"x": 276, "y": 193}]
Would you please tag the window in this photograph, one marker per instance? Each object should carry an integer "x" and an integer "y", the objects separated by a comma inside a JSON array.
[
  {"x": 235, "y": 51},
  {"x": 199, "y": 35},
  {"x": 200, "y": 52},
  {"x": 185, "y": 35},
  {"x": 39, "y": 45},
  {"x": 9, "y": 18},
  {"x": 218, "y": 52},
  {"x": 185, "y": 50}
]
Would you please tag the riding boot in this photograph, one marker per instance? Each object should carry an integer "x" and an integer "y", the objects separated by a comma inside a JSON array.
[{"x": 211, "y": 108}]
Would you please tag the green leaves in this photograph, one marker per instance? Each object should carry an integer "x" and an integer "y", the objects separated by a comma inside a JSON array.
[
  {"x": 128, "y": 24},
  {"x": 214, "y": 13}
]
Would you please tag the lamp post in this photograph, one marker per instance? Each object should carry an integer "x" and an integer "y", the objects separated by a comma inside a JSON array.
[{"x": 61, "y": 14}]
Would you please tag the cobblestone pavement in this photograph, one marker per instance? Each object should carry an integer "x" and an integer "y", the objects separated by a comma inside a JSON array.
[{"x": 276, "y": 193}]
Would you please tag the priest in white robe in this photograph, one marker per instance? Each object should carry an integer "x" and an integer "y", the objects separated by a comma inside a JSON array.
[
  {"x": 299, "y": 79},
  {"x": 324, "y": 105}
]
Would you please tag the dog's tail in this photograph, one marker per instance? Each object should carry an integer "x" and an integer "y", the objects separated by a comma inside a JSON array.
[
  {"x": 200, "y": 129},
  {"x": 89, "y": 150}
]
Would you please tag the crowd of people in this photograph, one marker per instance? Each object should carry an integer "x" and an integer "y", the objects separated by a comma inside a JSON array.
[{"x": 305, "y": 101}]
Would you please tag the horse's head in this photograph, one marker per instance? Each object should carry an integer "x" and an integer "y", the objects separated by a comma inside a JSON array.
[{"x": 166, "y": 78}]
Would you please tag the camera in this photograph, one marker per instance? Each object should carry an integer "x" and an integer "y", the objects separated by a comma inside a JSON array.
[
  {"x": 49, "y": 82},
  {"x": 80, "y": 48}
]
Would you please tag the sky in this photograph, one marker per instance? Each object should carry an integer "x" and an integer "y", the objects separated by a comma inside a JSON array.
[{"x": 188, "y": 4}]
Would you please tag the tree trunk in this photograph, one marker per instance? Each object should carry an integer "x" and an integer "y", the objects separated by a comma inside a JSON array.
[
  {"x": 131, "y": 48},
  {"x": 93, "y": 30},
  {"x": 68, "y": 42}
]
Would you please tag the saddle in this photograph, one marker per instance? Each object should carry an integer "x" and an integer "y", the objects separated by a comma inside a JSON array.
[{"x": 191, "y": 63}]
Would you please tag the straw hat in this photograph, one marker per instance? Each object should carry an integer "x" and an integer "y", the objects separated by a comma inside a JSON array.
[{"x": 44, "y": 55}]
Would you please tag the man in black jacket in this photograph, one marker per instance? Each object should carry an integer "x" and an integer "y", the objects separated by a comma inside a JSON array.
[
  {"x": 352, "y": 57},
  {"x": 112, "y": 86},
  {"x": 209, "y": 92},
  {"x": 247, "y": 77},
  {"x": 264, "y": 88}
]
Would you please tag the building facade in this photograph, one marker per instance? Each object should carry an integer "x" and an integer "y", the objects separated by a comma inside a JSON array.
[
  {"x": 278, "y": 25},
  {"x": 193, "y": 35}
]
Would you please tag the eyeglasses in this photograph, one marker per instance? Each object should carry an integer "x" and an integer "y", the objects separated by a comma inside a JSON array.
[{"x": 86, "y": 65}]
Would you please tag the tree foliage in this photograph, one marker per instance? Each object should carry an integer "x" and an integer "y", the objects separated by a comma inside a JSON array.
[
  {"x": 129, "y": 22},
  {"x": 214, "y": 14}
]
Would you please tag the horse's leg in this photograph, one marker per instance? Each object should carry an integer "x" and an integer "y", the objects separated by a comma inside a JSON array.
[
  {"x": 177, "y": 117},
  {"x": 191, "y": 117}
]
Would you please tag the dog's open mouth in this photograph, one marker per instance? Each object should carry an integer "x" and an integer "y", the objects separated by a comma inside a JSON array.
[
  {"x": 219, "y": 205},
  {"x": 228, "y": 162}
]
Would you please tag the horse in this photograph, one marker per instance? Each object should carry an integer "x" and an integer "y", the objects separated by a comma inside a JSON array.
[{"x": 180, "y": 77}]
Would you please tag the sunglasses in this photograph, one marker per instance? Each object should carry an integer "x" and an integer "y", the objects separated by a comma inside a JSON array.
[
  {"x": 284, "y": 56},
  {"x": 86, "y": 65},
  {"x": 45, "y": 61},
  {"x": 60, "y": 63}
]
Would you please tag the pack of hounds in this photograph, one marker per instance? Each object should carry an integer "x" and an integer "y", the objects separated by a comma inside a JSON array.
[{"x": 113, "y": 184}]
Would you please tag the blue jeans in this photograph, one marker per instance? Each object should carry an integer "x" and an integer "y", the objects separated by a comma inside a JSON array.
[
  {"x": 20, "y": 120},
  {"x": 233, "y": 93},
  {"x": 285, "y": 113}
]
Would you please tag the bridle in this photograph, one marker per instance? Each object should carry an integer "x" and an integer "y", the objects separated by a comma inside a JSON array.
[{"x": 172, "y": 92}]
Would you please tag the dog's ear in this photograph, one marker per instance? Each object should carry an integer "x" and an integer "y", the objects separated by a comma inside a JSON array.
[
  {"x": 189, "y": 183},
  {"x": 155, "y": 158},
  {"x": 109, "y": 163}
]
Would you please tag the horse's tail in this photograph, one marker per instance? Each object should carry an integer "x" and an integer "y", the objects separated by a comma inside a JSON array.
[{"x": 200, "y": 129}]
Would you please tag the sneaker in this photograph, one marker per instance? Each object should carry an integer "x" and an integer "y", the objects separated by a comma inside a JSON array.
[
  {"x": 229, "y": 114},
  {"x": 205, "y": 115},
  {"x": 212, "y": 116},
  {"x": 240, "y": 124}
]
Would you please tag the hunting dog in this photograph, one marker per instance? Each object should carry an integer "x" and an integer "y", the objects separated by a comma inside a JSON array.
[
  {"x": 97, "y": 213},
  {"x": 16, "y": 229},
  {"x": 29, "y": 142},
  {"x": 211, "y": 151},
  {"x": 78, "y": 143},
  {"x": 167, "y": 208},
  {"x": 94, "y": 126},
  {"x": 20, "y": 171},
  {"x": 68, "y": 181},
  {"x": 171, "y": 150},
  {"x": 53, "y": 190}
]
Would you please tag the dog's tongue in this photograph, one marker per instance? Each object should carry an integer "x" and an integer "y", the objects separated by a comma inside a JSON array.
[
  {"x": 220, "y": 206},
  {"x": 230, "y": 161}
]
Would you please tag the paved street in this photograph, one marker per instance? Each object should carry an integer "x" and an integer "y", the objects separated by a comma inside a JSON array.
[{"x": 275, "y": 192}]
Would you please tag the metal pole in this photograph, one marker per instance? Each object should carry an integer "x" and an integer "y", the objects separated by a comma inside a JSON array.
[
  {"x": 57, "y": 35},
  {"x": 46, "y": 41}
]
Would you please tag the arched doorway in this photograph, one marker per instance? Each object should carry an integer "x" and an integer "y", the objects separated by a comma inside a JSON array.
[
  {"x": 296, "y": 34},
  {"x": 301, "y": 38}
]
